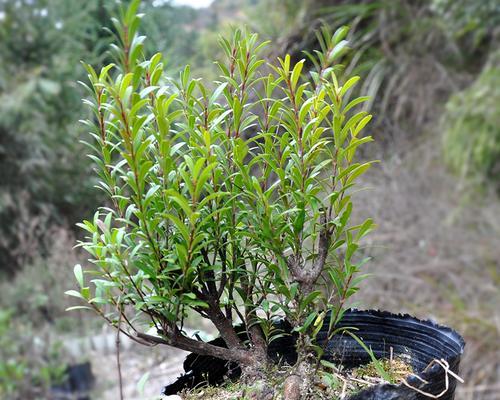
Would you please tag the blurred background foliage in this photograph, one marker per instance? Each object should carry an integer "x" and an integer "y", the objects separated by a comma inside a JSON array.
[
  {"x": 471, "y": 122},
  {"x": 432, "y": 70}
]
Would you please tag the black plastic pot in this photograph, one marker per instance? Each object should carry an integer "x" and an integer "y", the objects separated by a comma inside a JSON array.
[
  {"x": 77, "y": 385},
  {"x": 422, "y": 341},
  {"x": 385, "y": 333}
]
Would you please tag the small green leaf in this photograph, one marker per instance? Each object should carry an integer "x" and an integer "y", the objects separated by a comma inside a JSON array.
[
  {"x": 296, "y": 74},
  {"x": 78, "y": 308},
  {"x": 350, "y": 83},
  {"x": 340, "y": 34},
  {"x": 142, "y": 382},
  {"x": 77, "y": 270},
  {"x": 339, "y": 50},
  {"x": 74, "y": 293}
]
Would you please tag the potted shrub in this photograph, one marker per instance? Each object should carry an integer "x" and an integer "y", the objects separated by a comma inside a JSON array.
[{"x": 231, "y": 201}]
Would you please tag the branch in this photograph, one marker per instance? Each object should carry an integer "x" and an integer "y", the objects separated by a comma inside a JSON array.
[
  {"x": 182, "y": 342},
  {"x": 307, "y": 275},
  {"x": 118, "y": 364},
  {"x": 221, "y": 322}
]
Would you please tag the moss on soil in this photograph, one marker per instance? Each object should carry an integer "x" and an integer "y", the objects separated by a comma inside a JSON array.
[
  {"x": 346, "y": 382},
  {"x": 398, "y": 369}
]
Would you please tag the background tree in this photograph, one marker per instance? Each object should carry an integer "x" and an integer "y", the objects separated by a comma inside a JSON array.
[{"x": 40, "y": 156}]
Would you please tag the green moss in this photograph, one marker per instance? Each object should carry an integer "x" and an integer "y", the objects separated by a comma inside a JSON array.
[{"x": 327, "y": 383}]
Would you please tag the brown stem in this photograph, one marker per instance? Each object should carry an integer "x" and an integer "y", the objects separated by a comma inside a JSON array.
[
  {"x": 107, "y": 168},
  {"x": 126, "y": 49},
  {"x": 129, "y": 140},
  {"x": 308, "y": 275},
  {"x": 118, "y": 365},
  {"x": 182, "y": 342},
  {"x": 257, "y": 337},
  {"x": 221, "y": 322},
  {"x": 224, "y": 326}
]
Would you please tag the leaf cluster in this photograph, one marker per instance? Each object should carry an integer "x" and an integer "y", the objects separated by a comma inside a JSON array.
[{"x": 231, "y": 200}]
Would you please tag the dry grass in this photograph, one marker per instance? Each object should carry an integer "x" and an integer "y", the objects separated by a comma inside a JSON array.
[
  {"x": 226, "y": 392},
  {"x": 397, "y": 368},
  {"x": 436, "y": 255}
]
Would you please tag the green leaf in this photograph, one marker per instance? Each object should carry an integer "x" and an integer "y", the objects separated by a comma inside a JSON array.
[
  {"x": 340, "y": 34},
  {"x": 307, "y": 323},
  {"x": 328, "y": 364},
  {"x": 361, "y": 125},
  {"x": 142, "y": 382},
  {"x": 180, "y": 225},
  {"x": 216, "y": 94},
  {"x": 354, "y": 103},
  {"x": 180, "y": 200},
  {"x": 298, "y": 224},
  {"x": 365, "y": 228},
  {"x": 350, "y": 83},
  {"x": 309, "y": 299},
  {"x": 77, "y": 270},
  {"x": 132, "y": 10},
  {"x": 378, "y": 365},
  {"x": 79, "y": 308},
  {"x": 74, "y": 293},
  {"x": 339, "y": 50},
  {"x": 361, "y": 169},
  {"x": 294, "y": 79}
]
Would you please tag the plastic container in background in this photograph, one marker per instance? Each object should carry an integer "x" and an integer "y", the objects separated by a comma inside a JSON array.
[{"x": 77, "y": 385}]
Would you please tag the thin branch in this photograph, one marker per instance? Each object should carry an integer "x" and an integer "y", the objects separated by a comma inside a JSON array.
[
  {"x": 118, "y": 365},
  {"x": 182, "y": 342}
]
